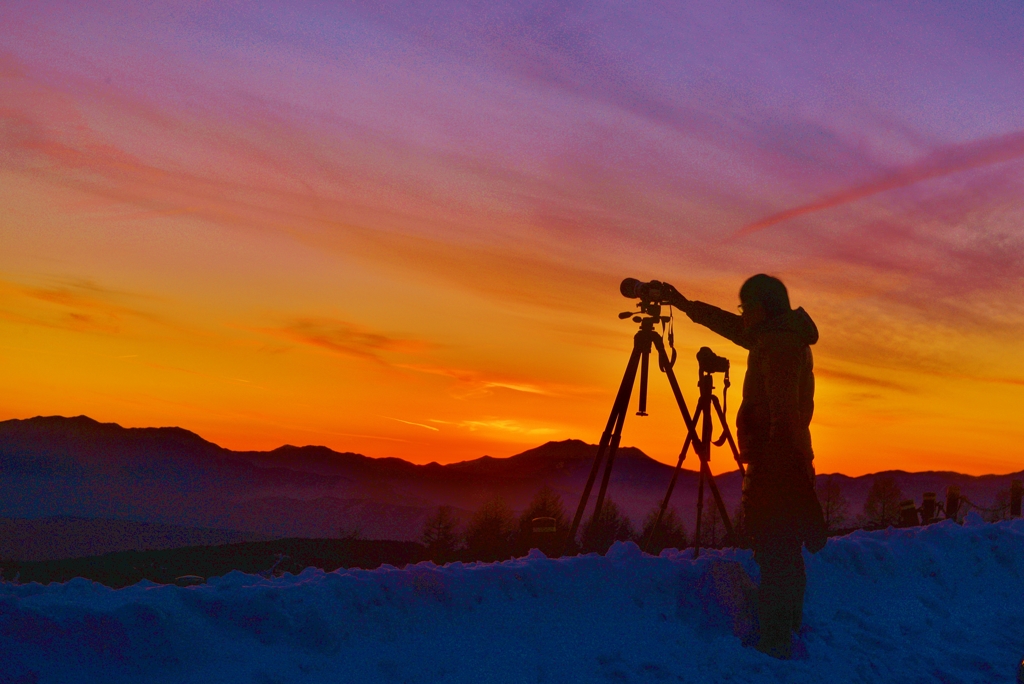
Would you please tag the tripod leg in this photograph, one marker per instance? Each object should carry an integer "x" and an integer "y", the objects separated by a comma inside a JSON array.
[
  {"x": 614, "y": 424},
  {"x": 721, "y": 504},
  {"x": 728, "y": 434},
  {"x": 612, "y": 448},
  {"x": 645, "y": 360},
  {"x": 700, "y": 511},
  {"x": 691, "y": 422},
  {"x": 668, "y": 495}
]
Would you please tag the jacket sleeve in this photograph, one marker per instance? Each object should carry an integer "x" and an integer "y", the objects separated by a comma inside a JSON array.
[
  {"x": 728, "y": 325},
  {"x": 783, "y": 362}
]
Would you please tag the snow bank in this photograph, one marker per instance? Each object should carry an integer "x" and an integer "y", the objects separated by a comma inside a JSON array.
[{"x": 938, "y": 604}]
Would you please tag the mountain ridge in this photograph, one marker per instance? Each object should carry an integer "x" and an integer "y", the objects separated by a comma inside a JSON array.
[{"x": 56, "y": 466}]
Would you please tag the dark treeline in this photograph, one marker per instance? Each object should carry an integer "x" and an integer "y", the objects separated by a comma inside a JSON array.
[
  {"x": 269, "y": 558},
  {"x": 493, "y": 532},
  {"x": 887, "y": 505}
]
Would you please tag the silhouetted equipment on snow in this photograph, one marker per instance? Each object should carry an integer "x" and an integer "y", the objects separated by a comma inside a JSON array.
[
  {"x": 908, "y": 514},
  {"x": 649, "y": 314},
  {"x": 928, "y": 508},
  {"x": 952, "y": 506},
  {"x": 956, "y": 504}
]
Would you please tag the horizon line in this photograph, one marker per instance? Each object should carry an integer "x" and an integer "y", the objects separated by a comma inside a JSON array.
[{"x": 570, "y": 439}]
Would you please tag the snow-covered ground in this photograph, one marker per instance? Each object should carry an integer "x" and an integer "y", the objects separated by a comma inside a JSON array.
[{"x": 938, "y": 604}]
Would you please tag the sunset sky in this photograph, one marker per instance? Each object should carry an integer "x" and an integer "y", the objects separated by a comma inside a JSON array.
[{"x": 399, "y": 228}]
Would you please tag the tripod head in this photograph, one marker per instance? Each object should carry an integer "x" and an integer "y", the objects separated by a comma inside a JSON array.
[
  {"x": 651, "y": 310},
  {"x": 648, "y": 315}
]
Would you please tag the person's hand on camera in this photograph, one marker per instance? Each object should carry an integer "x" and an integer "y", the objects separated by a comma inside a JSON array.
[{"x": 673, "y": 297}]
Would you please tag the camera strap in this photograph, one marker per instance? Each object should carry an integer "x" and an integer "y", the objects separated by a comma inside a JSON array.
[{"x": 670, "y": 337}]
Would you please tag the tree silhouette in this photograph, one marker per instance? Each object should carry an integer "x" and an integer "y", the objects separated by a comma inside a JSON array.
[
  {"x": 834, "y": 504},
  {"x": 712, "y": 529},
  {"x": 611, "y": 526},
  {"x": 546, "y": 503},
  {"x": 440, "y": 534},
  {"x": 882, "y": 506},
  {"x": 670, "y": 533},
  {"x": 1000, "y": 508},
  {"x": 490, "y": 530}
]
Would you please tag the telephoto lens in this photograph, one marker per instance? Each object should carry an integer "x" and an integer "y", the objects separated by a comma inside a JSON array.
[
  {"x": 629, "y": 288},
  {"x": 637, "y": 289}
]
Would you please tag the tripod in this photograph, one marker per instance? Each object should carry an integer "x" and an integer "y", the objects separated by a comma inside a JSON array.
[{"x": 709, "y": 363}]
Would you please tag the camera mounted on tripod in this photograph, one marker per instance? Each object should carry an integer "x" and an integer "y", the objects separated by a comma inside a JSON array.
[
  {"x": 652, "y": 296},
  {"x": 710, "y": 362}
]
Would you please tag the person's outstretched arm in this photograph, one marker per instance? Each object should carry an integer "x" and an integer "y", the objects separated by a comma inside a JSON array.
[{"x": 728, "y": 325}]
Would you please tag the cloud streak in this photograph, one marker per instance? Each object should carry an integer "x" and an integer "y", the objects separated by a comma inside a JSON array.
[
  {"x": 350, "y": 339},
  {"x": 978, "y": 154},
  {"x": 75, "y": 305}
]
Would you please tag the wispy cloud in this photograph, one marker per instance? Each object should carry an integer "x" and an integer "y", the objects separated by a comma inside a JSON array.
[
  {"x": 409, "y": 422},
  {"x": 945, "y": 162},
  {"x": 476, "y": 379},
  {"x": 345, "y": 337},
  {"x": 77, "y": 305},
  {"x": 507, "y": 425},
  {"x": 859, "y": 379},
  {"x": 474, "y": 382}
]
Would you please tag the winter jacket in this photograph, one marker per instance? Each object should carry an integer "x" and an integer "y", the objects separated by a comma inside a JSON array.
[{"x": 773, "y": 422}]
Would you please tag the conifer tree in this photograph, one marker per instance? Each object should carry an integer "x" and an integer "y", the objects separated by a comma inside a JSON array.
[
  {"x": 609, "y": 528},
  {"x": 671, "y": 534},
  {"x": 440, "y": 534},
  {"x": 882, "y": 506},
  {"x": 834, "y": 505},
  {"x": 490, "y": 530}
]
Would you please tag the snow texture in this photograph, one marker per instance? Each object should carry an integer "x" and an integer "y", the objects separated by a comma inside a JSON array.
[{"x": 943, "y": 603}]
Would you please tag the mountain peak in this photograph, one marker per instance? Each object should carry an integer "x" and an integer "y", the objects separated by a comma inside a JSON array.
[
  {"x": 83, "y": 429},
  {"x": 573, "y": 449}
]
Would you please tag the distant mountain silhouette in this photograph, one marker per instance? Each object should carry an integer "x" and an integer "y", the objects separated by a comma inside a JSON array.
[{"x": 55, "y": 466}]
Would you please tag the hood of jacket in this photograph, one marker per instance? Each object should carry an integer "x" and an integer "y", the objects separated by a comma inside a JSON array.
[{"x": 796, "y": 322}]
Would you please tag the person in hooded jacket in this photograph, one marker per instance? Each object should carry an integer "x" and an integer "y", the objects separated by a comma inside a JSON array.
[{"x": 780, "y": 508}]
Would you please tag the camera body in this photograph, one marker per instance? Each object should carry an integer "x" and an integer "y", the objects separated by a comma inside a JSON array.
[{"x": 710, "y": 362}]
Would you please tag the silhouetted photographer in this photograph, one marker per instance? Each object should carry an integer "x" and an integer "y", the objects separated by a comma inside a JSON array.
[{"x": 781, "y": 510}]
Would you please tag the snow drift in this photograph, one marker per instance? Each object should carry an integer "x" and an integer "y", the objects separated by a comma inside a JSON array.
[{"x": 936, "y": 604}]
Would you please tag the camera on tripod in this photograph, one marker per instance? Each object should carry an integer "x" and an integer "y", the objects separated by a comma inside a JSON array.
[
  {"x": 710, "y": 362},
  {"x": 654, "y": 291},
  {"x": 651, "y": 295}
]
